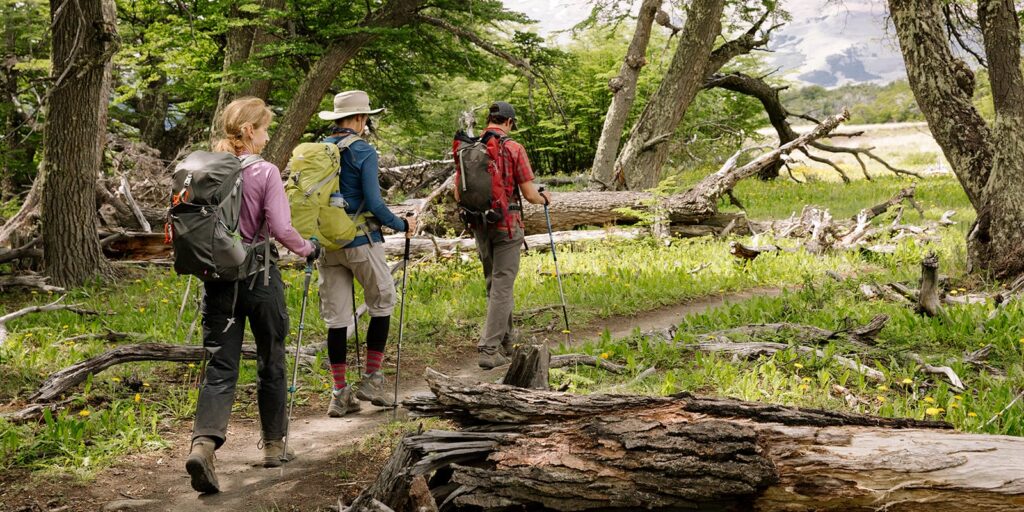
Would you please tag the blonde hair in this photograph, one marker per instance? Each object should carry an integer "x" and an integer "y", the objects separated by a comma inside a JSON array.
[{"x": 247, "y": 111}]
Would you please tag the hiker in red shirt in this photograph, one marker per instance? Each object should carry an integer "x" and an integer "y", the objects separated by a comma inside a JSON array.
[{"x": 502, "y": 178}]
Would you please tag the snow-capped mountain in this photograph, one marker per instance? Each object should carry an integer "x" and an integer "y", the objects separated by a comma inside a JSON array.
[{"x": 828, "y": 42}]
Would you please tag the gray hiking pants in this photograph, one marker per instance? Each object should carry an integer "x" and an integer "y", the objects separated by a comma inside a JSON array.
[
  {"x": 224, "y": 316},
  {"x": 499, "y": 254}
]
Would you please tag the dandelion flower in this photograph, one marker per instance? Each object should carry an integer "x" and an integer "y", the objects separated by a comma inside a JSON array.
[
  {"x": 138, "y": 397},
  {"x": 933, "y": 411},
  {"x": 798, "y": 366},
  {"x": 83, "y": 413},
  {"x": 115, "y": 379},
  {"x": 145, "y": 384},
  {"x": 142, "y": 310},
  {"x": 165, "y": 301},
  {"x": 807, "y": 379},
  {"x": 804, "y": 387},
  {"x": 883, "y": 387},
  {"x": 908, "y": 380},
  {"x": 191, "y": 365},
  {"x": 880, "y": 398},
  {"x": 958, "y": 397},
  {"x": 604, "y": 355},
  {"x": 929, "y": 399},
  {"x": 953, "y": 292},
  {"x": 972, "y": 415}
]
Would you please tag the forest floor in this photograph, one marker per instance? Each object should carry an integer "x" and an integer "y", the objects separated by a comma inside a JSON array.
[
  {"x": 336, "y": 459},
  {"x": 124, "y": 433}
]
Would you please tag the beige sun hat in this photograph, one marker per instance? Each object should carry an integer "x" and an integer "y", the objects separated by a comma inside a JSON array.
[{"x": 350, "y": 103}]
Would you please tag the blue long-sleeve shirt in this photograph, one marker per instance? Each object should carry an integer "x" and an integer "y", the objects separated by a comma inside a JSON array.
[{"x": 360, "y": 185}]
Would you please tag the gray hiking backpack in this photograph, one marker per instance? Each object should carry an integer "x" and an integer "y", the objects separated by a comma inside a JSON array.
[{"x": 203, "y": 219}]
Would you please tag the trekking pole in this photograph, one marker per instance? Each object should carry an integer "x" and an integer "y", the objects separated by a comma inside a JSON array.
[
  {"x": 401, "y": 324},
  {"x": 558, "y": 275},
  {"x": 298, "y": 345},
  {"x": 355, "y": 328}
]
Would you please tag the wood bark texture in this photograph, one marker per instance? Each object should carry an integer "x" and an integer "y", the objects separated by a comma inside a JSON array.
[
  {"x": 542, "y": 450},
  {"x": 84, "y": 40},
  {"x": 623, "y": 86},
  {"x": 645, "y": 152}
]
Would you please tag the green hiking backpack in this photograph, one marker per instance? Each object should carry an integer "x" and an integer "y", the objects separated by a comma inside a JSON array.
[
  {"x": 315, "y": 168},
  {"x": 203, "y": 219}
]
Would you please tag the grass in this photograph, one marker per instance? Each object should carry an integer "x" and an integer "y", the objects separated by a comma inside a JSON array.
[{"x": 132, "y": 407}]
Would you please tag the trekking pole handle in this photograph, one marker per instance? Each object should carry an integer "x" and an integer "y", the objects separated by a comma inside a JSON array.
[
  {"x": 541, "y": 192},
  {"x": 408, "y": 242}
]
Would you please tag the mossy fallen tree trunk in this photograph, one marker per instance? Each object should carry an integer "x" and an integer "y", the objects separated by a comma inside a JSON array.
[{"x": 542, "y": 450}]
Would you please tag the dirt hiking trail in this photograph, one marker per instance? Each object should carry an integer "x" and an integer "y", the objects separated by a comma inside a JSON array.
[{"x": 157, "y": 481}]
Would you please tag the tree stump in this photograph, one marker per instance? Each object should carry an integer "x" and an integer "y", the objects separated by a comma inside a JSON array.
[{"x": 529, "y": 368}]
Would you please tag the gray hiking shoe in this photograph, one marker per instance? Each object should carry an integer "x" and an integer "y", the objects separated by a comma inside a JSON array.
[
  {"x": 374, "y": 389},
  {"x": 492, "y": 357},
  {"x": 274, "y": 454},
  {"x": 200, "y": 465},
  {"x": 343, "y": 402}
]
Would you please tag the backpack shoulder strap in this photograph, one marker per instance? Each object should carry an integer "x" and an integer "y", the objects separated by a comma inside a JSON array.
[
  {"x": 249, "y": 160},
  {"x": 347, "y": 141}
]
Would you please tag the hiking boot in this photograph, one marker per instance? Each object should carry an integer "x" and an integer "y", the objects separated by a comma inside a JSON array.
[
  {"x": 200, "y": 465},
  {"x": 492, "y": 358},
  {"x": 274, "y": 454},
  {"x": 342, "y": 403},
  {"x": 374, "y": 389}
]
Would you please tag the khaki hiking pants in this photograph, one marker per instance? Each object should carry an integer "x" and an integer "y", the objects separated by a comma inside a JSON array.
[
  {"x": 499, "y": 254},
  {"x": 365, "y": 263}
]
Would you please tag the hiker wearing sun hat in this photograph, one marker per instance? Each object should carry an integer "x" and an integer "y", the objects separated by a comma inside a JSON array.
[{"x": 362, "y": 259}]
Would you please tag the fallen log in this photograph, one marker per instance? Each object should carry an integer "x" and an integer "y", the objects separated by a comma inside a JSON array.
[
  {"x": 529, "y": 367},
  {"x": 53, "y": 306},
  {"x": 554, "y": 451},
  {"x": 28, "y": 280},
  {"x": 63, "y": 380},
  {"x": 564, "y": 360}
]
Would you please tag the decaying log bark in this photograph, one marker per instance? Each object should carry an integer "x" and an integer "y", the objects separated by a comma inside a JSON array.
[
  {"x": 546, "y": 450},
  {"x": 29, "y": 281}
]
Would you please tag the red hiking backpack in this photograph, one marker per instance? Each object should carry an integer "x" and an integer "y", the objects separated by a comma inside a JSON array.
[{"x": 481, "y": 182}]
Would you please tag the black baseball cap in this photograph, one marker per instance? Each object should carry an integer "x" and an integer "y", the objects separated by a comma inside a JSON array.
[{"x": 503, "y": 109}]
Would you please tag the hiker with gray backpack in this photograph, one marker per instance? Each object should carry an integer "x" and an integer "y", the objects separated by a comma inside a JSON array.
[
  {"x": 226, "y": 207},
  {"x": 492, "y": 176},
  {"x": 342, "y": 201}
]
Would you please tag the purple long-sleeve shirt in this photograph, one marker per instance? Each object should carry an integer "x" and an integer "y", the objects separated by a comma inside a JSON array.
[{"x": 263, "y": 197}]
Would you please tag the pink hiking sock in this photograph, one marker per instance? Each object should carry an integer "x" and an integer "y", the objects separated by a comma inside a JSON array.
[
  {"x": 338, "y": 372},
  {"x": 373, "y": 361}
]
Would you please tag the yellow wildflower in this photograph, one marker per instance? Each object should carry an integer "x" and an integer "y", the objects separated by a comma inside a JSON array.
[
  {"x": 604, "y": 355},
  {"x": 142, "y": 310},
  {"x": 807, "y": 379},
  {"x": 798, "y": 366},
  {"x": 934, "y": 411},
  {"x": 165, "y": 301},
  {"x": 804, "y": 387},
  {"x": 953, "y": 292},
  {"x": 963, "y": 289},
  {"x": 908, "y": 380},
  {"x": 115, "y": 379},
  {"x": 880, "y": 398},
  {"x": 929, "y": 399},
  {"x": 191, "y": 365},
  {"x": 83, "y": 413},
  {"x": 883, "y": 387},
  {"x": 958, "y": 397},
  {"x": 972, "y": 415},
  {"x": 145, "y": 384},
  {"x": 953, "y": 406},
  {"x": 138, "y": 397}
]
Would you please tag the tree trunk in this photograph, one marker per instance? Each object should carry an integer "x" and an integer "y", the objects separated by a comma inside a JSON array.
[
  {"x": 998, "y": 241},
  {"x": 544, "y": 450},
  {"x": 83, "y": 43},
  {"x": 307, "y": 98},
  {"x": 238, "y": 41},
  {"x": 623, "y": 87},
  {"x": 260, "y": 87},
  {"x": 646, "y": 150},
  {"x": 989, "y": 171}
]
